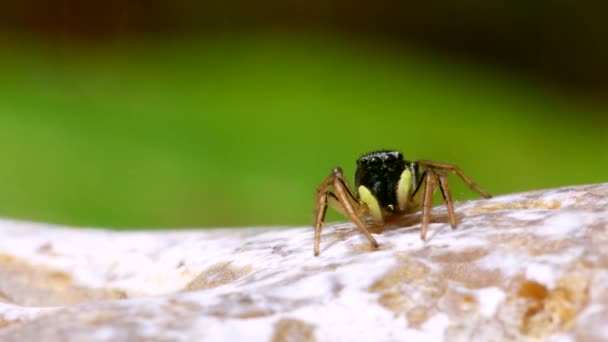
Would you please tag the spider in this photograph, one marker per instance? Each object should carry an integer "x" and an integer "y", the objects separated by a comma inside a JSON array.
[{"x": 386, "y": 185}]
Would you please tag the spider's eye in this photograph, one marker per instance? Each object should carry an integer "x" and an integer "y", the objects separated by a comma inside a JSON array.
[
  {"x": 390, "y": 158},
  {"x": 375, "y": 161}
]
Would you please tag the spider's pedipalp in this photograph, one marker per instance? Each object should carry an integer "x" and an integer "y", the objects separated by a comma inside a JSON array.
[{"x": 372, "y": 204}]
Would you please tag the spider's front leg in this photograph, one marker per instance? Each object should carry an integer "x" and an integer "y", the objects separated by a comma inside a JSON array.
[{"x": 343, "y": 200}]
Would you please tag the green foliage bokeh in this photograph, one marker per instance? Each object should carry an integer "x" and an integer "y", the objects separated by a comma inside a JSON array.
[{"x": 239, "y": 131}]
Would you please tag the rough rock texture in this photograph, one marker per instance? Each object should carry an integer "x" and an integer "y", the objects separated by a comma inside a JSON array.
[{"x": 519, "y": 267}]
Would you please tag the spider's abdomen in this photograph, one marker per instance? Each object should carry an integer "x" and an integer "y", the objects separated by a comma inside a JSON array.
[{"x": 380, "y": 172}]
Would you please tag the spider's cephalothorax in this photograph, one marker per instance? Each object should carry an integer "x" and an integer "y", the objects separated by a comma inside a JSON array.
[
  {"x": 383, "y": 181},
  {"x": 387, "y": 185},
  {"x": 379, "y": 173}
]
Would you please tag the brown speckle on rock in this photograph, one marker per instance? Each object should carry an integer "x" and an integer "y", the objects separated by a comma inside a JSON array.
[
  {"x": 4, "y": 298},
  {"x": 552, "y": 311},
  {"x": 532, "y": 290},
  {"x": 406, "y": 272},
  {"x": 218, "y": 274},
  {"x": 293, "y": 330},
  {"x": 461, "y": 256},
  {"x": 471, "y": 276},
  {"x": 460, "y": 305},
  {"x": 6, "y": 259},
  {"x": 367, "y": 248},
  {"x": 407, "y": 285},
  {"x": 5, "y": 323},
  {"x": 531, "y": 204},
  {"x": 417, "y": 315},
  {"x": 45, "y": 248},
  {"x": 31, "y": 285}
]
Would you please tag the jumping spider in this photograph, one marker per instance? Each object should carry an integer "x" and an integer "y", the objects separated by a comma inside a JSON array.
[{"x": 386, "y": 186}]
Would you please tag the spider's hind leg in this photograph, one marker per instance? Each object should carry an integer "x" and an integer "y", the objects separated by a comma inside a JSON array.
[
  {"x": 429, "y": 164},
  {"x": 437, "y": 172},
  {"x": 427, "y": 202},
  {"x": 444, "y": 186},
  {"x": 430, "y": 178}
]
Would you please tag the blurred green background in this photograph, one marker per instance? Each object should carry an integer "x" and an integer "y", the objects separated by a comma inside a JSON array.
[{"x": 131, "y": 123}]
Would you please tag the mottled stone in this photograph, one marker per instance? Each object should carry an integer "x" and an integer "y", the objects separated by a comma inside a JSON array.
[{"x": 529, "y": 266}]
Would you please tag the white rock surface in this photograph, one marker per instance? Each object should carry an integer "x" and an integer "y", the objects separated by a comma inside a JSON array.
[{"x": 525, "y": 266}]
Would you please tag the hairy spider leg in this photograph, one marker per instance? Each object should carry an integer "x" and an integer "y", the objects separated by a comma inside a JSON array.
[
  {"x": 419, "y": 195},
  {"x": 427, "y": 203},
  {"x": 454, "y": 169},
  {"x": 436, "y": 168},
  {"x": 444, "y": 186},
  {"x": 343, "y": 200},
  {"x": 331, "y": 199}
]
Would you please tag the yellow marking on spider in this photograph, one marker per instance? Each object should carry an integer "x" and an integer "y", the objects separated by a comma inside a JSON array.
[
  {"x": 404, "y": 188},
  {"x": 372, "y": 204}
]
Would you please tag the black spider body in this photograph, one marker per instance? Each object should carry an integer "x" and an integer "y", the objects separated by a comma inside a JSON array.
[{"x": 380, "y": 172}]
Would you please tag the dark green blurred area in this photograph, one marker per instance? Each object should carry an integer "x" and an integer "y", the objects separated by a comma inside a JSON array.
[
  {"x": 236, "y": 131},
  {"x": 155, "y": 114}
]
